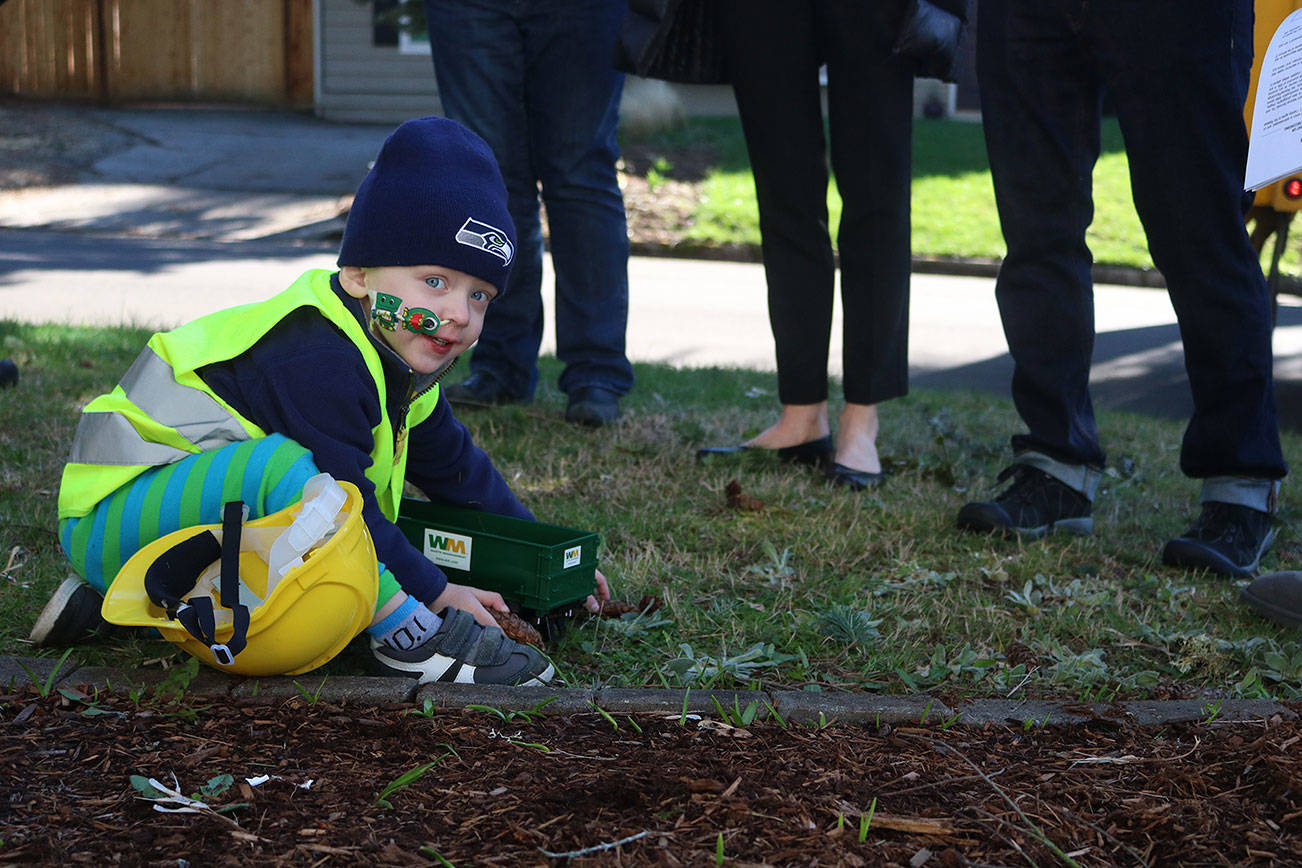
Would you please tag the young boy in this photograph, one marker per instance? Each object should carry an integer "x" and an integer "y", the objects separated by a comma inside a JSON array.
[{"x": 338, "y": 374}]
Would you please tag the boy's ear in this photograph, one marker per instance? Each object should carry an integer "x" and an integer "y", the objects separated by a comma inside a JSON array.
[{"x": 353, "y": 279}]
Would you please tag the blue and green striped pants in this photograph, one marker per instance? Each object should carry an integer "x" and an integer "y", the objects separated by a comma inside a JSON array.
[{"x": 267, "y": 474}]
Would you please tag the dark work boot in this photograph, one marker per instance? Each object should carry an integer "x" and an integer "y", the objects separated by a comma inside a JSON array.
[
  {"x": 1227, "y": 539},
  {"x": 1033, "y": 505}
]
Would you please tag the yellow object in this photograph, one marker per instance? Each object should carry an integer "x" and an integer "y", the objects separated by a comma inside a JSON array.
[
  {"x": 296, "y": 623},
  {"x": 1286, "y": 193}
]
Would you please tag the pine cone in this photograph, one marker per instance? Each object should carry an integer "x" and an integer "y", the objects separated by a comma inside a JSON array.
[
  {"x": 517, "y": 628},
  {"x": 616, "y": 608},
  {"x": 736, "y": 499},
  {"x": 619, "y": 608}
]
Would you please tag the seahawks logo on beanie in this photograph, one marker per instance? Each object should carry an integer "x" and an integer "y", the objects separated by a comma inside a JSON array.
[{"x": 473, "y": 233}]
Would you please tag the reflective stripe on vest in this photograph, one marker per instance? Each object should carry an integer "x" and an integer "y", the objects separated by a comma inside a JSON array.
[{"x": 150, "y": 384}]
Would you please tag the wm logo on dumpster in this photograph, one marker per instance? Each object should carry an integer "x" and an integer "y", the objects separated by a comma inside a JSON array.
[{"x": 448, "y": 549}]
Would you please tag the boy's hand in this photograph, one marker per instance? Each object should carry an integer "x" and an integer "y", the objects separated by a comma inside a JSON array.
[
  {"x": 473, "y": 600},
  {"x": 593, "y": 603}
]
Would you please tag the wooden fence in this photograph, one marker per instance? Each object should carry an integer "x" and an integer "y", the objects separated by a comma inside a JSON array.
[{"x": 251, "y": 51}]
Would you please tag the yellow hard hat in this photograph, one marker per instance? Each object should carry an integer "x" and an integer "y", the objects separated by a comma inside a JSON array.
[{"x": 291, "y": 592}]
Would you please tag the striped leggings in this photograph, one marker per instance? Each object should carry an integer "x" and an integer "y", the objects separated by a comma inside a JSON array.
[{"x": 267, "y": 474}]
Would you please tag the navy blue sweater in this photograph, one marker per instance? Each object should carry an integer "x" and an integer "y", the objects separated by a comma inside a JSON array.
[{"x": 306, "y": 380}]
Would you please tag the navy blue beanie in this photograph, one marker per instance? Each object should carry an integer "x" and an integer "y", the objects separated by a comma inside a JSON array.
[{"x": 434, "y": 197}]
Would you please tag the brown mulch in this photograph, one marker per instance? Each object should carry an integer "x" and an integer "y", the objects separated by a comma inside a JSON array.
[{"x": 510, "y": 792}]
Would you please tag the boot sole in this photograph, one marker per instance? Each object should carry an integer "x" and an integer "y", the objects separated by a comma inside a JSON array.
[
  {"x": 979, "y": 520},
  {"x": 48, "y": 620},
  {"x": 1190, "y": 554}
]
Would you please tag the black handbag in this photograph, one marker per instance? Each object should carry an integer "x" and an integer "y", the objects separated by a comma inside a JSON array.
[
  {"x": 929, "y": 36},
  {"x": 672, "y": 40}
]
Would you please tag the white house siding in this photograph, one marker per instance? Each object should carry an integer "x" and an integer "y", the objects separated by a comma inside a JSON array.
[{"x": 359, "y": 82}]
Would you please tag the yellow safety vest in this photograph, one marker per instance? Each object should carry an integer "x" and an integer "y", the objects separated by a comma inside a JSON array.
[{"x": 162, "y": 411}]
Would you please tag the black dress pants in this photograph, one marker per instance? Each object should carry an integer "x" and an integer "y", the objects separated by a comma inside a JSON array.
[{"x": 775, "y": 49}]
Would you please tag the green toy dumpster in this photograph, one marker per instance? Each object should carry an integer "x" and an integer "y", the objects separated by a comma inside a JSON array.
[{"x": 544, "y": 571}]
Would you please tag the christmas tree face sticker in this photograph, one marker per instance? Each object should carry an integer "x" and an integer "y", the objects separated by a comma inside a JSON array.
[{"x": 388, "y": 313}]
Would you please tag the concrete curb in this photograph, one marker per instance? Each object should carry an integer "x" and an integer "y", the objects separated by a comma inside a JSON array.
[{"x": 789, "y": 706}]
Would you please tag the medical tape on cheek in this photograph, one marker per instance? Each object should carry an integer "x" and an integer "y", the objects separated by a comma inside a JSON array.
[{"x": 388, "y": 313}]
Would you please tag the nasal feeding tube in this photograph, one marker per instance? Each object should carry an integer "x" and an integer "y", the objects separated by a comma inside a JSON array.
[{"x": 388, "y": 313}]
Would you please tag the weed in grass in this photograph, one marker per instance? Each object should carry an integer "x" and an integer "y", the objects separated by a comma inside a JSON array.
[
  {"x": 1211, "y": 711},
  {"x": 427, "y": 708},
  {"x": 866, "y": 820},
  {"x": 313, "y": 697},
  {"x": 632, "y": 624},
  {"x": 527, "y": 715},
  {"x": 177, "y": 681},
  {"x": 435, "y": 855},
  {"x": 44, "y": 687},
  {"x": 777, "y": 570},
  {"x": 605, "y": 715},
  {"x": 404, "y": 780},
  {"x": 848, "y": 624},
  {"x": 689, "y": 666},
  {"x": 736, "y": 716},
  {"x": 91, "y": 708}
]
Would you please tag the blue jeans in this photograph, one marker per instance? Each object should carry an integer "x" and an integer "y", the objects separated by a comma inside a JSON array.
[
  {"x": 534, "y": 79},
  {"x": 1177, "y": 74}
]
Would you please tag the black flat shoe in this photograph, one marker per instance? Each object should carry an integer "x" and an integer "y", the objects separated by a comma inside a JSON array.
[
  {"x": 814, "y": 453},
  {"x": 856, "y": 480}
]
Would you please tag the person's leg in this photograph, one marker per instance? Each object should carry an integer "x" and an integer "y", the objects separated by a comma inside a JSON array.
[
  {"x": 1179, "y": 104},
  {"x": 870, "y": 108},
  {"x": 479, "y": 61},
  {"x": 773, "y": 65},
  {"x": 1040, "y": 101},
  {"x": 572, "y": 97},
  {"x": 267, "y": 474}
]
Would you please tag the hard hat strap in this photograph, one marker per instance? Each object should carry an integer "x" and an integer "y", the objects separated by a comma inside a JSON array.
[
  {"x": 175, "y": 572},
  {"x": 232, "y": 525}
]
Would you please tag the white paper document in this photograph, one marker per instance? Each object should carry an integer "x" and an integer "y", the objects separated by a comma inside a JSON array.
[{"x": 1275, "y": 142}]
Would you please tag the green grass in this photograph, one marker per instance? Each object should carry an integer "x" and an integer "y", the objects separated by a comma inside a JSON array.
[
  {"x": 953, "y": 200},
  {"x": 822, "y": 589}
]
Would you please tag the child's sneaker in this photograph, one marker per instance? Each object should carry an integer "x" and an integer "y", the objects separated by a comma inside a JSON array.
[
  {"x": 1227, "y": 538},
  {"x": 1033, "y": 505},
  {"x": 463, "y": 651},
  {"x": 71, "y": 615}
]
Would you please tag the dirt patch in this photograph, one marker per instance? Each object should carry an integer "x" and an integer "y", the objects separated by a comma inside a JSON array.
[{"x": 675, "y": 792}]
